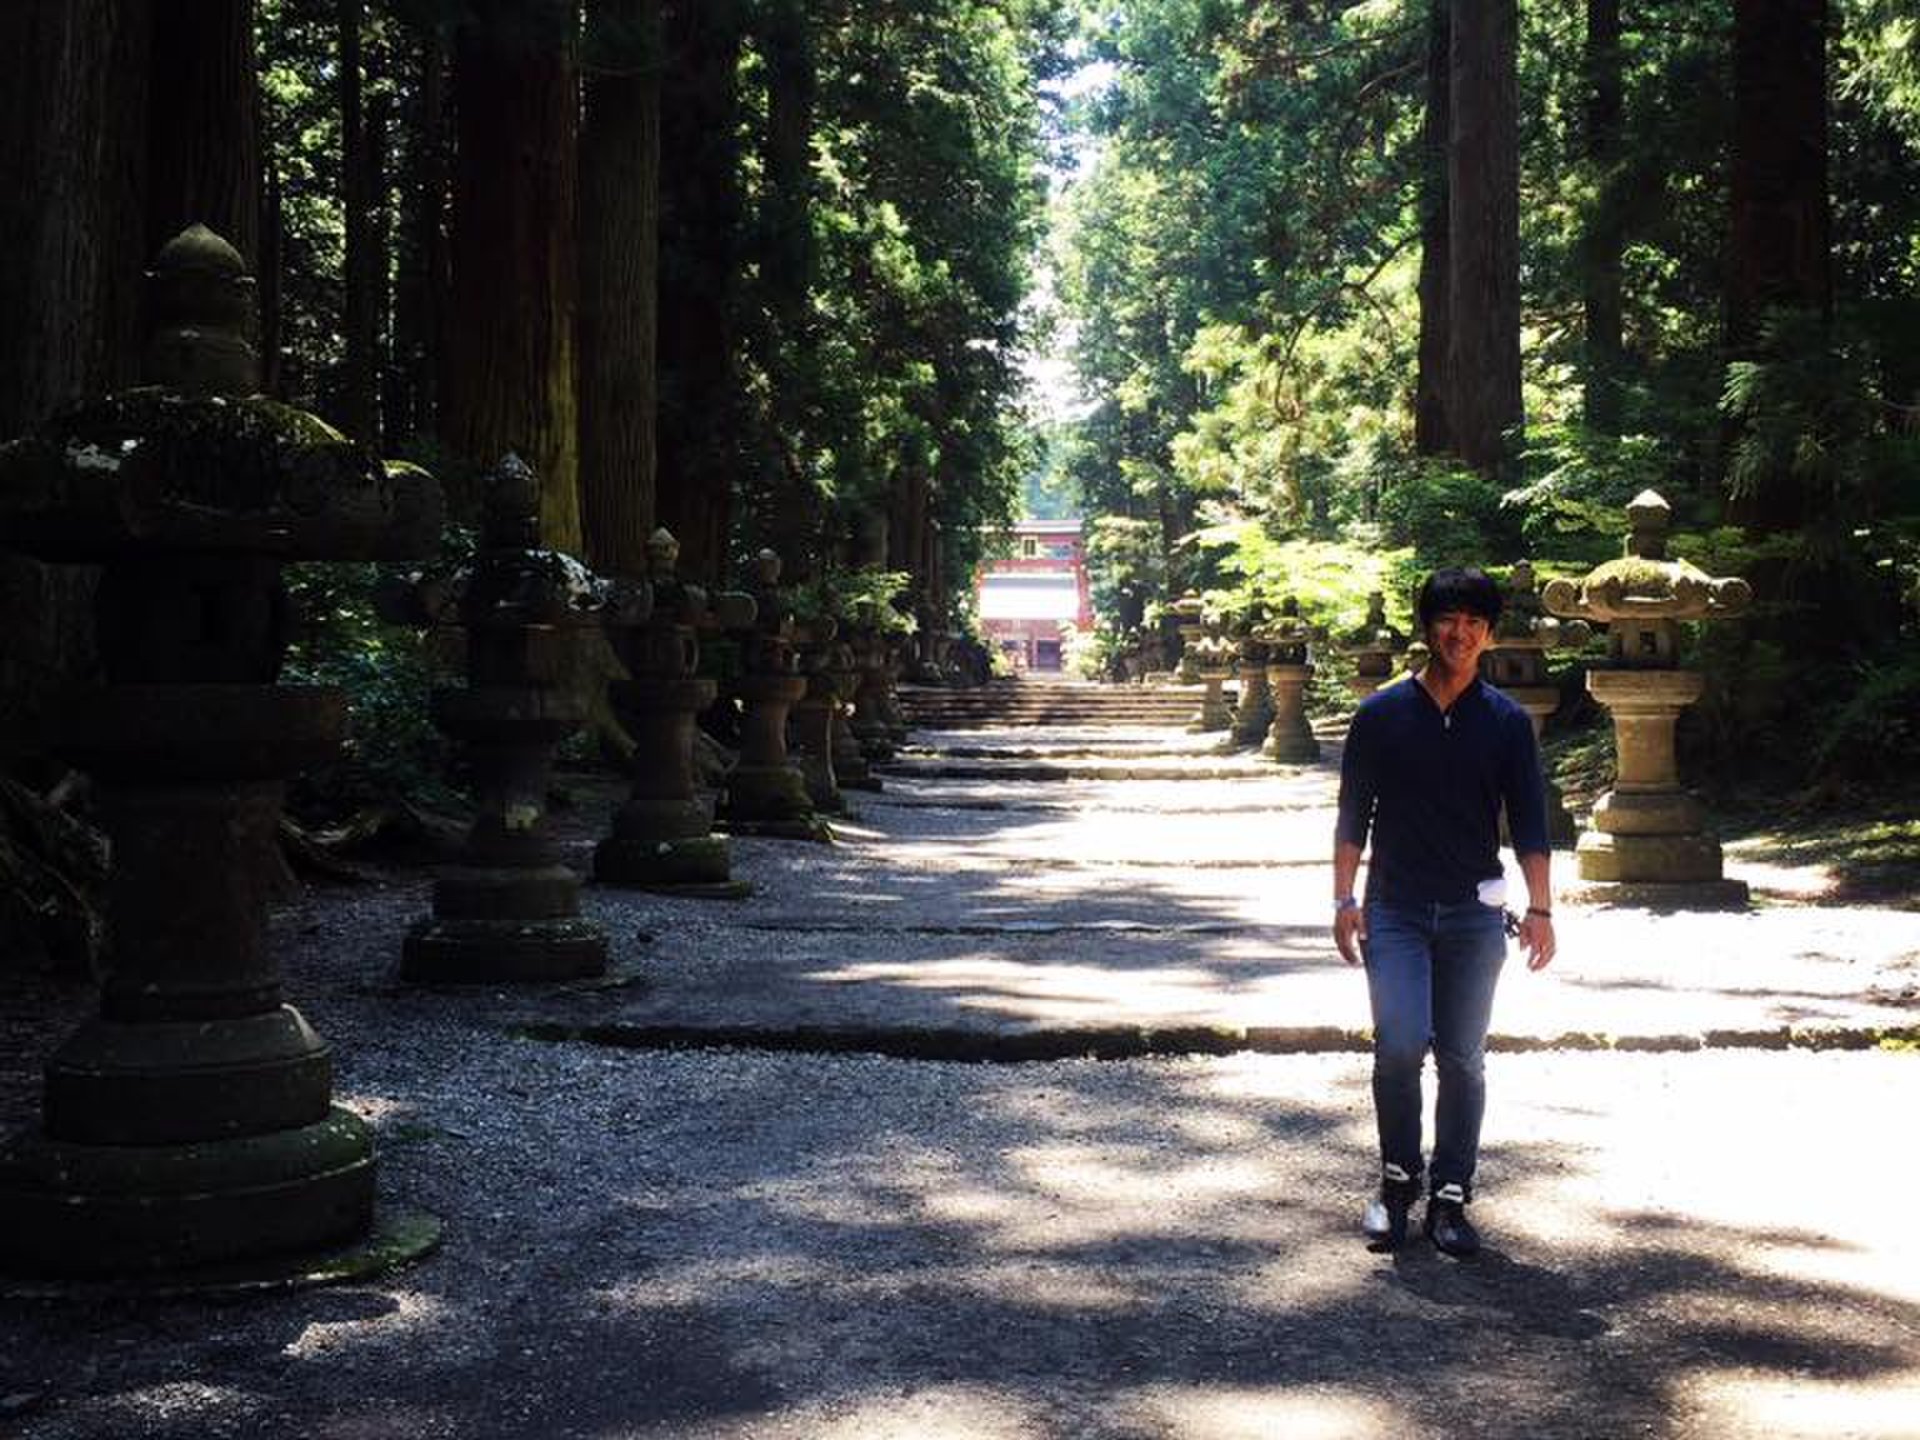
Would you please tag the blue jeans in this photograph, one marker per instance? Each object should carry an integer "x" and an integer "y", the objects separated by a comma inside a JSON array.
[{"x": 1431, "y": 972}]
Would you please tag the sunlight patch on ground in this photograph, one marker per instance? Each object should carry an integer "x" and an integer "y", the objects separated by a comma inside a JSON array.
[
  {"x": 961, "y": 1412},
  {"x": 180, "y": 1403},
  {"x": 1802, "y": 1409},
  {"x": 414, "y": 1319},
  {"x": 1265, "y": 1414},
  {"x": 1046, "y": 992},
  {"x": 376, "y": 1109}
]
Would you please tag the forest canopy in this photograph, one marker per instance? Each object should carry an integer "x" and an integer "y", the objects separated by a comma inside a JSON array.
[{"x": 1343, "y": 291}]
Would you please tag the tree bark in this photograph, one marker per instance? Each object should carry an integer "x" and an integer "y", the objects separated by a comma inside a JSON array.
[
  {"x": 358, "y": 413},
  {"x": 1779, "y": 216},
  {"x": 73, "y": 160},
  {"x": 700, "y": 251},
  {"x": 1483, "y": 202},
  {"x": 1605, "y": 240},
  {"x": 203, "y": 124},
  {"x": 787, "y": 273},
  {"x": 72, "y": 167},
  {"x": 1431, "y": 433},
  {"x": 1779, "y": 248},
  {"x": 619, "y": 279},
  {"x": 510, "y": 344},
  {"x": 423, "y": 279}
]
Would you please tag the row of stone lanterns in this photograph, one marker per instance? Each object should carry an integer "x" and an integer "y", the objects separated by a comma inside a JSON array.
[{"x": 188, "y": 1129}]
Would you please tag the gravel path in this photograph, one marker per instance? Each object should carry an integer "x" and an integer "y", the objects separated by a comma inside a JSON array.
[{"x": 740, "y": 1242}]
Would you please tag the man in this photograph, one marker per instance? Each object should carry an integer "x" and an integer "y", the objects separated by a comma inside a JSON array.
[{"x": 1430, "y": 761}]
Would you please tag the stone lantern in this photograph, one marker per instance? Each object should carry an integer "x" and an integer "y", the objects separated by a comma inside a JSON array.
[
  {"x": 1517, "y": 663},
  {"x": 1289, "y": 639},
  {"x": 663, "y": 834},
  {"x": 816, "y": 715},
  {"x": 766, "y": 793},
  {"x": 850, "y": 762},
  {"x": 508, "y": 909},
  {"x": 1648, "y": 833},
  {"x": 190, "y": 1124},
  {"x": 872, "y": 661},
  {"x": 1187, "y": 612},
  {"x": 1373, "y": 648},
  {"x": 1213, "y": 655},
  {"x": 1253, "y": 713}
]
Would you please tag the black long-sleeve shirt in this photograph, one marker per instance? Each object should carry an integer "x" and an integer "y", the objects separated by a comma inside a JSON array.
[{"x": 1429, "y": 785}]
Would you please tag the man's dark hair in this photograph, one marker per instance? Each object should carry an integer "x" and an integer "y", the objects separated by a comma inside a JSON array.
[{"x": 1465, "y": 588}]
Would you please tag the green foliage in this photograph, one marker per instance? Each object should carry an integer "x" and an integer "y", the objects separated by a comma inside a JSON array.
[
  {"x": 339, "y": 640},
  {"x": 1875, "y": 733},
  {"x": 926, "y": 207},
  {"x": 1125, "y": 567},
  {"x": 1449, "y": 516},
  {"x": 867, "y": 597},
  {"x": 1572, "y": 507}
]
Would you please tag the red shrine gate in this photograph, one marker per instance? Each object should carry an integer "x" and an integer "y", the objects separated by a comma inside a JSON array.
[{"x": 1026, "y": 600}]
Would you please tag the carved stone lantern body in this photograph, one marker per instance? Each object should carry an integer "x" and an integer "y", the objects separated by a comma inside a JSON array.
[
  {"x": 1253, "y": 708},
  {"x": 1648, "y": 833},
  {"x": 1373, "y": 648},
  {"x": 850, "y": 762},
  {"x": 815, "y": 716},
  {"x": 1187, "y": 612},
  {"x": 662, "y": 837},
  {"x": 766, "y": 793},
  {"x": 1290, "y": 739},
  {"x": 190, "y": 1123},
  {"x": 1213, "y": 656},
  {"x": 508, "y": 909}
]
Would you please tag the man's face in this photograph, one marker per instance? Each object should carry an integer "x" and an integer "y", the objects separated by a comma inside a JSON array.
[{"x": 1457, "y": 637}]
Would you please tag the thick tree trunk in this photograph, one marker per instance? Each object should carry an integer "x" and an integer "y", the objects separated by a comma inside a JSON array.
[
  {"x": 423, "y": 278},
  {"x": 72, "y": 229},
  {"x": 1431, "y": 433},
  {"x": 510, "y": 344},
  {"x": 358, "y": 412},
  {"x": 619, "y": 280},
  {"x": 787, "y": 272},
  {"x": 700, "y": 248},
  {"x": 1604, "y": 244},
  {"x": 203, "y": 124},
  {"x": 1483, "y": 201},
  {"x": 1779, "y": 230},
  {"x": 72, "y": 166},
  {"x": 1779, "y": 246}
]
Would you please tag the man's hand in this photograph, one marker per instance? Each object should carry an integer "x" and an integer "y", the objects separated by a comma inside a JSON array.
[
  {"x": 1350, "y": 932},
  {"x": 1536, "y": 938}
]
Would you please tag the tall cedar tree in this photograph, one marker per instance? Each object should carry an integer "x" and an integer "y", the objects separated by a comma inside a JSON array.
[
  {"x": 1431, "y": 433},
  {"x": 619, "y": 239},
  {"x": 1483, "y": 201},
  {"x": 510, "y": 344},
  {"x": 1779, "y": 243},
  {"x": 1604, "y": 243},
  {"x": 72, "y": 165},
  {"x": 787, "y": 266},
  {"x": 203, "y": 124},
  {"x": 358, "y": 186},
  {"x": 422, "y": 271},
  {"x": 700, "y": 252}
]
